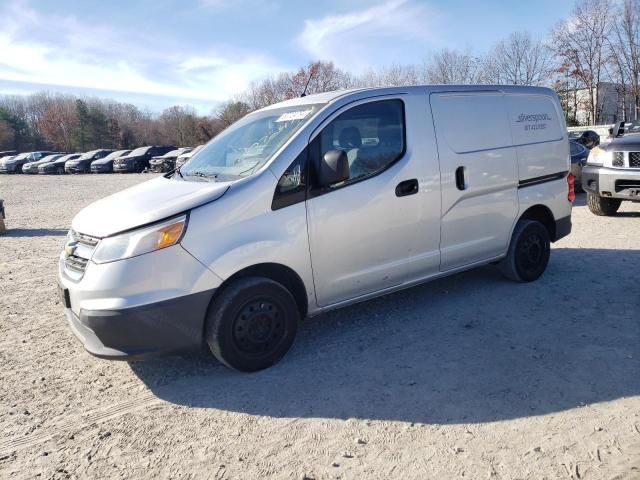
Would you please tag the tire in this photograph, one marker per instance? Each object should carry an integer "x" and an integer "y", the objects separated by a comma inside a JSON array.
[
  {"x": 528, "y": 253},
  {"x": 60, "y": 170},
  {"x": 139, "y": 167},
  {"x": 251, "y": 324},
  {"x": 601, "y": 206}
]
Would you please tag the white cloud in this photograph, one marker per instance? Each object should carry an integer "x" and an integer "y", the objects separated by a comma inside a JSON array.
[
  {"x": 61, "y": 51},
  {"x": 360, "y": 39}
]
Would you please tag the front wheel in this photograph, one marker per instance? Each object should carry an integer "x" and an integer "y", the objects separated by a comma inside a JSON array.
[
  {"x": 602, "y": 206},
  {"x": 252, "y": 323},
  {"x": 528, "y": 253}
]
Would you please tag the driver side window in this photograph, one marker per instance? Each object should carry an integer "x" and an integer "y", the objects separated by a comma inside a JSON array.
[{"x": 372, "y": 135}]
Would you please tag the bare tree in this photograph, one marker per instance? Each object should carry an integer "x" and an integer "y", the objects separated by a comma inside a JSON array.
[
  {"x": 518, "y": 60},
  {"x": 625, "y": 54},
  {"x": 231, "y": 112},
  {"x": 452, "y": 67},
  {"x": 7, "y": 135},
  {"x": 58, "y": 124},
  {"x": 581, "y": 41}
]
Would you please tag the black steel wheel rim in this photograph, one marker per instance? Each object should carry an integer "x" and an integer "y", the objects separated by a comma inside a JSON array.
[
  {"x": 531, "y": 254},
  {"x": 259, "y": 327}
]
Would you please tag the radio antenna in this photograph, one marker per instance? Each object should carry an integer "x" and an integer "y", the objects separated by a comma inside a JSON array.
[{"x": 311, "y": 72}]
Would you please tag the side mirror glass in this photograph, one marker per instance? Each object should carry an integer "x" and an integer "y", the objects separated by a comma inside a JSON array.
[{"x": 334, "y": 168}]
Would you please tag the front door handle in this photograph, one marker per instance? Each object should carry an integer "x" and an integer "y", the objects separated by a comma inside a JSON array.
[{"x": 408, "y": 187}]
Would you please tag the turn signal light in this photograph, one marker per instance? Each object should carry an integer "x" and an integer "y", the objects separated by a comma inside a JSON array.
[{"x": 170, "y": 234}]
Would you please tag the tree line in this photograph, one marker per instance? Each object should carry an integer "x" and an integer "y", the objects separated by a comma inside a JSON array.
[{"x": 598, "y": 42}]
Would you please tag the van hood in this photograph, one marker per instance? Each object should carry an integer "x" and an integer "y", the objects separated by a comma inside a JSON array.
[{"x": 145, "y": 203}]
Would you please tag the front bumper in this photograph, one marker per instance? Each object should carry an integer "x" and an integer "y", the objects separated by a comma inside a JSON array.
[
  {"x": 622, "y": 183},
  {"x": 157, "y": 167},
  {"x": 142, "y": 332},
  {"x": 142, "y": 306},
  {"x": 124, "y": 168},
  {"x": 74, "y": 168},
  {"x": 101, "y": 169}
]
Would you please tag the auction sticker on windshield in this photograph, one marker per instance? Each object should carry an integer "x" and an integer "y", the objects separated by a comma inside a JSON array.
[{"x": 299, "y": 115}]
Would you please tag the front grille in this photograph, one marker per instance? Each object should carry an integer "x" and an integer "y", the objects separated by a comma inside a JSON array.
[
  {"x": 78, "y": 264},
  {"x": 84, "y": 239},
  {"x": 618, "y": 159},
  {"x": 78, "y": 251},
  {"x": 627, "y": 185},
  {"x": 634, "y": 159}
]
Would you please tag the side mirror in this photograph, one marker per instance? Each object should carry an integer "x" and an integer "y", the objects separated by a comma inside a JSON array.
[{"x": 334, "y": 168}]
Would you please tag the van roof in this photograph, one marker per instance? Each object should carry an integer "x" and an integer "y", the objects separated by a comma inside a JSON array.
[{"x": 328, "y": 97}]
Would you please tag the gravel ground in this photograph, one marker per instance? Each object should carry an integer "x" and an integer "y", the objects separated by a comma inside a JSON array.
[{"x": 472, "y": 376}]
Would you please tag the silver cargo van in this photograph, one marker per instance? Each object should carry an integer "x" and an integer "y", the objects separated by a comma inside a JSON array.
[{"x": 316, "y": 203}]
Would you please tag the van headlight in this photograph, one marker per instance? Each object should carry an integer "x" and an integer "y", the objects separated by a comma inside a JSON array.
[
  {"x": 140, "y": 241},
  {"x": 599, "y": 157}
]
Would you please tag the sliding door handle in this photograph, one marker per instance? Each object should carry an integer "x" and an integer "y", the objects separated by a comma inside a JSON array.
[
  {"x": 461, "y": 181},
  {"x": 408, "y": 187}
]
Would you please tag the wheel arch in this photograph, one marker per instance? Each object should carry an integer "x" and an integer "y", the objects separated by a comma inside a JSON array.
[
  {"x": 277, "y": 272},
  {"x": 544, "y": 215}
]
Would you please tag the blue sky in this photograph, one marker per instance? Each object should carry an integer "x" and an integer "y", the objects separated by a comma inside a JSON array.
[{"x": 156, "y": 53}]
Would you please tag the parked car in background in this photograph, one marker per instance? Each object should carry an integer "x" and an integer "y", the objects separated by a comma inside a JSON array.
[
  {"x": 32, "y": 167},
  {"x": 612, "y": 174},
  {"x": 83, "y": 164},
  {"x": 167, "y": 162},
  {"x": 138, "y": 159},
  {"x": 182, "y": 159},
  {"x": 4, "y": 158},
  {"x": 57, "y": 166},
  {"x": 588, "y": 138},
  {"x": 8, "y": 153},
  {"x": 15, "y": 164},
  {"x": 579, "y": 154},
  {"x": 105, "y": 165}
]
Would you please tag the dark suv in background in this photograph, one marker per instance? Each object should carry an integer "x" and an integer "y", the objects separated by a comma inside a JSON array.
[
  {"x": 32, "y": 167},
  {"x": 105, "y": 165},
  {"x": 588, "y": 138},
  {"x": 57, "y": 166},
  {"x": 167, "y": 162},
  {"x": 138, "y": 159},
  {"x": 15, "y": 164},
  {"x": 83, "y": 164}
]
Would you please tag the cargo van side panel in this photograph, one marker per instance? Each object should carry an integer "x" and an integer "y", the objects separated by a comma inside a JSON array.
[
  {"x": 473, "y": 135},
  {"x": 538, "y": 130}
]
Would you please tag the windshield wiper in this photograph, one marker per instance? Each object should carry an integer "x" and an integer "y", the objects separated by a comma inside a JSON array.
[{"x": 200, "y": 175}]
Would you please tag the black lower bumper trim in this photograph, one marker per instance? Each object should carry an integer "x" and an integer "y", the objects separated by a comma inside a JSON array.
[
  {"x": 141, "y": 332},
  {"x": 563, "y": 228}
]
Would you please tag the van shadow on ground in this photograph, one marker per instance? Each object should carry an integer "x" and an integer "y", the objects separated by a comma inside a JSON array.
[
  {"x": 470, "y": 348},
  {"x": 36, "y": 232}
]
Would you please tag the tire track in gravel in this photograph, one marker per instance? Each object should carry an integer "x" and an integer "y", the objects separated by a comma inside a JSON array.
[{"x": 75, "y": 424}]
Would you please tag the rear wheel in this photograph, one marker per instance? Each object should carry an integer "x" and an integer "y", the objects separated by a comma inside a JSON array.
[
  {"x": 252, "y": 323},
  {"x": 602, "y": 206},
  {"x": 528, "y": 253},
  {"x": 60, "y": 170}
]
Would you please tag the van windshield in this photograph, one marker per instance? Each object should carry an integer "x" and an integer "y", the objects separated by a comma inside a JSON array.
[{"x": 248, "y": 144}]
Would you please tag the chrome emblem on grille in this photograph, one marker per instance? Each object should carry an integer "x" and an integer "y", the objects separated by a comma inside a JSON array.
[{"x": 70, "y": 248}]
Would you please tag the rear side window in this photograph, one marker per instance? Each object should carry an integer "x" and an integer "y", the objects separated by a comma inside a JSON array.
[{"x": 372, "y": 135}]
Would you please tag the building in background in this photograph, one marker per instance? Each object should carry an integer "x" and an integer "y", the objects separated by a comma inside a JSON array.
[{"x": 615, "y": 103}]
